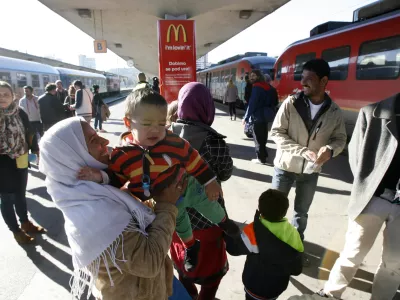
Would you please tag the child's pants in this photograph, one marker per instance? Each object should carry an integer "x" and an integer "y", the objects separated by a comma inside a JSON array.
[{"x": 196, "y": 198}]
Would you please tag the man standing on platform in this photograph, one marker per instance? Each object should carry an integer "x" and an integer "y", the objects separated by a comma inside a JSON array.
[
  {"x": 83, "y": 101},
  {"x": 142, "y": 82},
  {"x": 29, "y": 103},
  {"x": 374, "y": 155},
  {"x": 51, "y": 110},
  {"x": 308, "y": 130},
  {"x": 61, "y": 92}
]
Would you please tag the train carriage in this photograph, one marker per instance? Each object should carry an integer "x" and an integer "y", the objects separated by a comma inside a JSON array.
[
  {"x": 68, "y": 76},
  {"x": 19, "y": 73}
]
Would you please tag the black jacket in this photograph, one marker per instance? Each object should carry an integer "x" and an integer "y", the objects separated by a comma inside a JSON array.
[
  {"x": 51, "y": 109},
  {"x": 247, "y": 91},
  {"x": 10, "y": 176},
  {"x": 97, "y": 103},
  {"x": 266, "y": 274}
]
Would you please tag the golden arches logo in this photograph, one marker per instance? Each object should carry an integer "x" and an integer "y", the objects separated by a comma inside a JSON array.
[{"x": 176, "y": 31}]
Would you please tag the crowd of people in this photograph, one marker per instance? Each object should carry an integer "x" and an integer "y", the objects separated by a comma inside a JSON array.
[{"x": 156, "y": 201}]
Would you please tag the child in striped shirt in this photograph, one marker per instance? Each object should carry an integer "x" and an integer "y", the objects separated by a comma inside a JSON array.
[{"x": 149, "y": 156}]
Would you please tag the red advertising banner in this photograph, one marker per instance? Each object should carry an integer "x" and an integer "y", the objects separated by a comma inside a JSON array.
[{"x": 177, "y": 56}]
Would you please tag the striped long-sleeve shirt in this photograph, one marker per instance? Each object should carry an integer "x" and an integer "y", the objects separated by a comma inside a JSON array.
[{"x": 157, "y": 165}]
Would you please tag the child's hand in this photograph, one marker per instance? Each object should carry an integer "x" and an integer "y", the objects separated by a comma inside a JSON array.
[
  {"x": 90, "y": 174},
  {"x": 213, "y": 190}
]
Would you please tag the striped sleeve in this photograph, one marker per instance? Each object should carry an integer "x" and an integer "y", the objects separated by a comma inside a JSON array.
[
  {"x": 249, "y": 238},
  {"x": 242, "y": 245}
]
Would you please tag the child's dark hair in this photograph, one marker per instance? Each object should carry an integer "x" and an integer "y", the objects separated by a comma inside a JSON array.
[
  {"x": 273, "y": 205},
  {"x": 140, "y": 97}
]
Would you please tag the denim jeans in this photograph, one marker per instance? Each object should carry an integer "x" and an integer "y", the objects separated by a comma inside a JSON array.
[
  {"x": 179, "y": 291},
  {"x": 17, "y": 200},
  {"x": 98, "y": 121},
  {"x": 305, "y": 190}
]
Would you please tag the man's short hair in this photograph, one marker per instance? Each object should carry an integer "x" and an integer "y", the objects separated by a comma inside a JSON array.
[
  {"x": 50, "y": 87},
  {"x": 78, "y": 83},
  {"x": 142, "y": 77},
  {"x": 273, "y": 205},
  {"x": 259, "y": 74},
  {"x": 144, "y": 96},
  {"x": 28, "y": 87},
  {"x": 319, "y": 67},
  {"x": 96, "y": 87}
]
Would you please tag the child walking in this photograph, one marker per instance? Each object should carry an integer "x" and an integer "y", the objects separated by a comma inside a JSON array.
[{"x": 273, "y": 247}]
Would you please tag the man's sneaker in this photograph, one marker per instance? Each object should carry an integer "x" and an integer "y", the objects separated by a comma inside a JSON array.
[
  {"x": 322, "y": 294},
  {"x": 192, "y": 256},
  {"x": 230, "y": 227},
  {"x": 257, "y": 161},
  {"x": 28, "y": 227},
  {"x": 102, "y": 130},
  {"x": 23, "y": 238}
]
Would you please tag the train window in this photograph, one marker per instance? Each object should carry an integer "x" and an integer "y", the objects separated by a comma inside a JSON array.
[
  {"x": 46, "y": 80},
  {"x": 379, "y": 59},
  {"x": 5, "y": 77},
  {"x": 35, "y": 80},
  {"x": 338, "y": 59},
  {"x": 21, "y": 80},
  {"x": 300, "y": 61},
  {"x": 279, "y": 71}
]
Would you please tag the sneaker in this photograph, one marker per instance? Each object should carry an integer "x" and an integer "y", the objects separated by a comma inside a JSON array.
[
  {"x": 257, "y": 161},
  {"x": 102, "y": 130},
  {"x": 230, "y": 227},
  {"x": 28, "y": 227},
  {"x": 23, "y": 238},
  {"x": 322, "y": 294},
  {"x": 192, "y": 256}
]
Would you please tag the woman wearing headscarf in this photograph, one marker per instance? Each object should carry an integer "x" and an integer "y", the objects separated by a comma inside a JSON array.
[
  {"x": 114, "y": 249},
  {"x": 16, "y": 138},
  {"x": 231, "y": 95},
  {"x": 196, "y": 112}
]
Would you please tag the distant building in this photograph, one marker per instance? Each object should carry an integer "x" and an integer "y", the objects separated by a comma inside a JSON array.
[{"x": 87, "y": 62}]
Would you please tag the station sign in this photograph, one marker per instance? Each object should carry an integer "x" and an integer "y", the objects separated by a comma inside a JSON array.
[
  {"x": 100, "y": 46},
  {"x": 177, "y": 56}
]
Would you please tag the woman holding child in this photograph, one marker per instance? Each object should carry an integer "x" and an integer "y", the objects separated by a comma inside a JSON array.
[
  {"x": 119, "y": 245},
  {"x": 196, "y": 112}
]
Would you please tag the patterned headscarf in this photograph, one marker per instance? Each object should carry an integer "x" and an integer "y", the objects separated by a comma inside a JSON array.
[
  {"x": 12, "y": 132},
  {"x": 196, "y": 104}
]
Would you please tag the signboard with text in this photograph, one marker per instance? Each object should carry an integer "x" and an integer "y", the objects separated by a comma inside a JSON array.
[
  {"x": 100, "y": 46},
  {"x": 177, "y": 56}
]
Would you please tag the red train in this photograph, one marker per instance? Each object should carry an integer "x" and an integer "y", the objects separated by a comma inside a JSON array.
[
  {"x": 217, "y": 76},
  {"x": 364, "y": 57}
]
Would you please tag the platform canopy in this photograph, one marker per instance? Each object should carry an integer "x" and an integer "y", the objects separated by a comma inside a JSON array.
[{"x": 130, "y": 26}]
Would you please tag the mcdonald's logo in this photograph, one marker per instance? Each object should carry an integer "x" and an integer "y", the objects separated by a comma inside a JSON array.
[{"x": 176, "y": 31}]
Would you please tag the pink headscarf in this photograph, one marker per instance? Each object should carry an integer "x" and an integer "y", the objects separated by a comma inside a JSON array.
[{"x": 195, "y": 103}]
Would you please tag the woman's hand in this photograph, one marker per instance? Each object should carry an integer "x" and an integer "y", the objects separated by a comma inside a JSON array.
[
  {"x": 213, "y": 190},
  {"x": 90, "y": 174},
  {"x": 171, "y": 193}
]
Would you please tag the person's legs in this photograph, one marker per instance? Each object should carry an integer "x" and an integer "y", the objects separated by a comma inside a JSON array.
[
  {"x": 260, "y": 140},
  {"x": 8, "y": 213},
  {"x": 234, "y": 110},
  {"x": 189, "y": 286},
  {"x": 20, "y": 198},
  {"x": 283, "y": 180},
  {"x": 360, "y": 237},
  {"x": 208, "y": 291},
  {"x": 96, "y": 122},
  {"x": 305, "y": 190},
  {"x": 100, "y": 120},
  {"x": 387, "y": 277}
]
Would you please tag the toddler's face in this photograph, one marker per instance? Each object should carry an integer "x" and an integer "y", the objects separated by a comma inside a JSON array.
[{"x": 148, "y": 124}]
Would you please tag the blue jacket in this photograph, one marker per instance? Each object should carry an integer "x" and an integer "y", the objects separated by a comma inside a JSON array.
[{"x": 261, "y": 107}]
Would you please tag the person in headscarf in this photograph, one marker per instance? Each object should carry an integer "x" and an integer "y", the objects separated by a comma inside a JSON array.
[
  {"x": 196, "y": 112},
  {"x": 114, "y": 249},
  {"x": 16, "y": 138}
]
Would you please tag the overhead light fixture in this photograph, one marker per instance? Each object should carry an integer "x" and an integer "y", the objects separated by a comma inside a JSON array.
[
  {"x": 85, "y": 13},
  {"x": 118, "y": 45},
  {"x": 245, "y": 14}
]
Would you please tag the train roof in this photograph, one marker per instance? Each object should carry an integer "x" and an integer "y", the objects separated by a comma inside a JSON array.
[
  {"x": 65, "y": 71},
  {"x": 351, "y": 26},
  {"x": 14, "y": 64},
  {"x": 252, "y": 59}
]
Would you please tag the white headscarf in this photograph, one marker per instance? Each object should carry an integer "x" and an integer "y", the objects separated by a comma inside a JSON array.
[{"x": 95, "y": 215}]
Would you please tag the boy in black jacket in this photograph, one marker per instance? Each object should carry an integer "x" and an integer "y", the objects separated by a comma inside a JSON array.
[{"x": 273, "y": 247}]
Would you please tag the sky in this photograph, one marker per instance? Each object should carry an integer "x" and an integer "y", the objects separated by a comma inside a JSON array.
[{"x": 26, "y": 30}]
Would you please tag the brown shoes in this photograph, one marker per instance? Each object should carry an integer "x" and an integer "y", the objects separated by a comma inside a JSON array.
[
  {"x": 28, "y": 227},
  {"x": 23, "y": 238}
]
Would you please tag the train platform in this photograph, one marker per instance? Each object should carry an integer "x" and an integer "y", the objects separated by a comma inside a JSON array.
[{"x": 42, "y": 271}]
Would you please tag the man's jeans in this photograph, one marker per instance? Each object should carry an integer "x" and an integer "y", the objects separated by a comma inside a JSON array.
[{"x": 305, "y": 190}]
